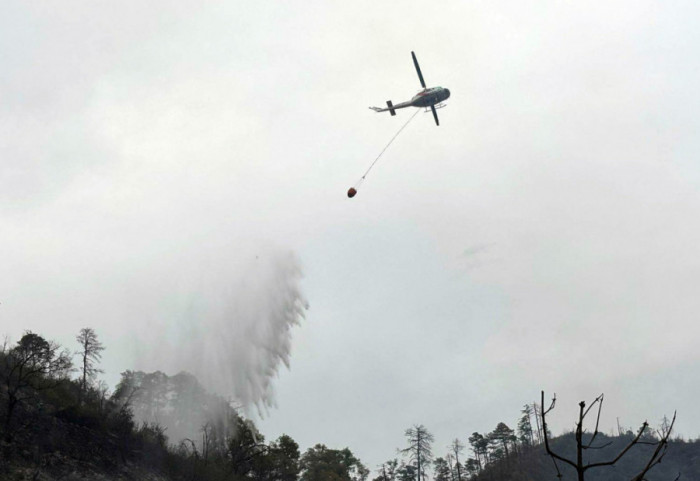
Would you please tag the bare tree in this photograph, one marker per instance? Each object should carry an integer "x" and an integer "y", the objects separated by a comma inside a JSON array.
[
  {"x": 419, "y": 448},
  {"x": 90, "y": 353},
  {"x": 449, "y": 459},
  {"x": 456, "y": 449},
  {"x": 579, "y": 465}
]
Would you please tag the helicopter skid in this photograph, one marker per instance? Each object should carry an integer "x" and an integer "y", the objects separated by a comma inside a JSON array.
[{"x": 437, "y": 106}]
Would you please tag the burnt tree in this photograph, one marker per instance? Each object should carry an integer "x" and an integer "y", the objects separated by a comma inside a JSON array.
[{"x": 581, "y": 467}]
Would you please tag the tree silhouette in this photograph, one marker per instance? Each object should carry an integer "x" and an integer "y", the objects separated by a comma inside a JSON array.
[
  {"x": 504, "y": 435},
  {"x": 419, "y": 448},
  {"x": 323, "y": 464},
  {"x": 456, "y": 449},
  {"x": 581, "y": 446},
  {"x": 479, "y": 446},
  {"x": 33, "y": 365},
  {"x": 442, "y": 470},
  {"x": 525, "y": 434},
  {"x": 90, "y": 354}
]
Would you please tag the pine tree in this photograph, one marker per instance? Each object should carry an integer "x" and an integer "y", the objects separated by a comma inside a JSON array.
[
  {"x": 90, "y": 353},
  {"x": 419, "y": 448},
  {"x": 503, "y": 435}
]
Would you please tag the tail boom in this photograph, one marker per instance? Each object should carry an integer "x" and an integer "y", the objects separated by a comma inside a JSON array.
[{"x": 391, "y": 108}]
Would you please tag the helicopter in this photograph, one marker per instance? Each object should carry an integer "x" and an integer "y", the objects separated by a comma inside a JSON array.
[{"x": 428, "y": 97}]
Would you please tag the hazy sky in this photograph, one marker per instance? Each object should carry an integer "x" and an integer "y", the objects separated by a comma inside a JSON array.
[{"x": 545, "y": 236}]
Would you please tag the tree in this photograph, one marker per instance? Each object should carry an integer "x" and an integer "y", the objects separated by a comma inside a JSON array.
[
  {"x": 419, "y": 448},
  {"x": 479, "y": 446},
  {"x": 33, "y": 365},
  {"x": 580, "y": 464},
  {"x": 406, "y": 472},
  {"x": 472, "y": 467},
  {"x": 442, "y": 470},
  {"x": 525, "y": 434},
  {"x": 456, "y": 449},
  {"x": 497, "y": 454},
  {"x": 388, "y": 471},
  {"x": 90, "y": 354},
  {"x": 537, "y": 411},
  {"x": 284, "y": 459},
  {"x": 449, "y": 459},
  {"x": 503, "y": 435},
  {"x": 323, "y": 464},
  {"x": 244, "y": 447},
  {"x": 180, "y": 404}
]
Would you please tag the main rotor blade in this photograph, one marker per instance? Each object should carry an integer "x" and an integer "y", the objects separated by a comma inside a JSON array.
[
  {"x": 420, "y": 75},
  {"x": 432, "y": 107}
]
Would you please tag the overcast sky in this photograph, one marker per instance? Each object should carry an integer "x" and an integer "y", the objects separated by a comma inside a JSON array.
[{"x": 545, "y": 236}]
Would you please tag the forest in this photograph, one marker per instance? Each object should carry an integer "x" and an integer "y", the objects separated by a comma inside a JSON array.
[{"x": 58, "y": 420}]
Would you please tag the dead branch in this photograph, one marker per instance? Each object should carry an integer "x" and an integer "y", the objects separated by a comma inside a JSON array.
[
  {"x": 546, "y": 437},
  {"x": 659, "y": 452},
  {"x": 656, "y": 457},
  {"x": 599, "y": 401},
  {"x": 624, "y": 451}
]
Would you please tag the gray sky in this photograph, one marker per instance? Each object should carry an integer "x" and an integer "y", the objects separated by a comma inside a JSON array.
[{"x": 545, "y": 236}]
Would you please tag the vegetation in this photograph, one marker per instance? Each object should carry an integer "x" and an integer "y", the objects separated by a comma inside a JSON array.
[
  {"x": 531, "y": 453},
  {"x": 533, "y": 463},
  {"x": 54, "y": 426},
  {"x": 322, "y": 464},
  {"x": 160, "y": 427},
  {"x": 90, "y": 354},
  {"x": 582, "y": 465},
  {"x": 419, "y": 449}
]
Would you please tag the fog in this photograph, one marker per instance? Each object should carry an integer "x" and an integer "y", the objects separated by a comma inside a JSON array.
[{"x": 169, "y": 171}]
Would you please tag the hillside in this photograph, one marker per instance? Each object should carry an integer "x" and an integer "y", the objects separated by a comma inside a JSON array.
[
  {"x": 169, "y": 428},
  {"x": 153, "y": 427},
  {"x": 533, "y": 463}
]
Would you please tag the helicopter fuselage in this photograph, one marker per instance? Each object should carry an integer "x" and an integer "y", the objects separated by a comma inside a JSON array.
[
  {"x": 431, "y": 96},
  {"x": 425, "y": 98}
]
